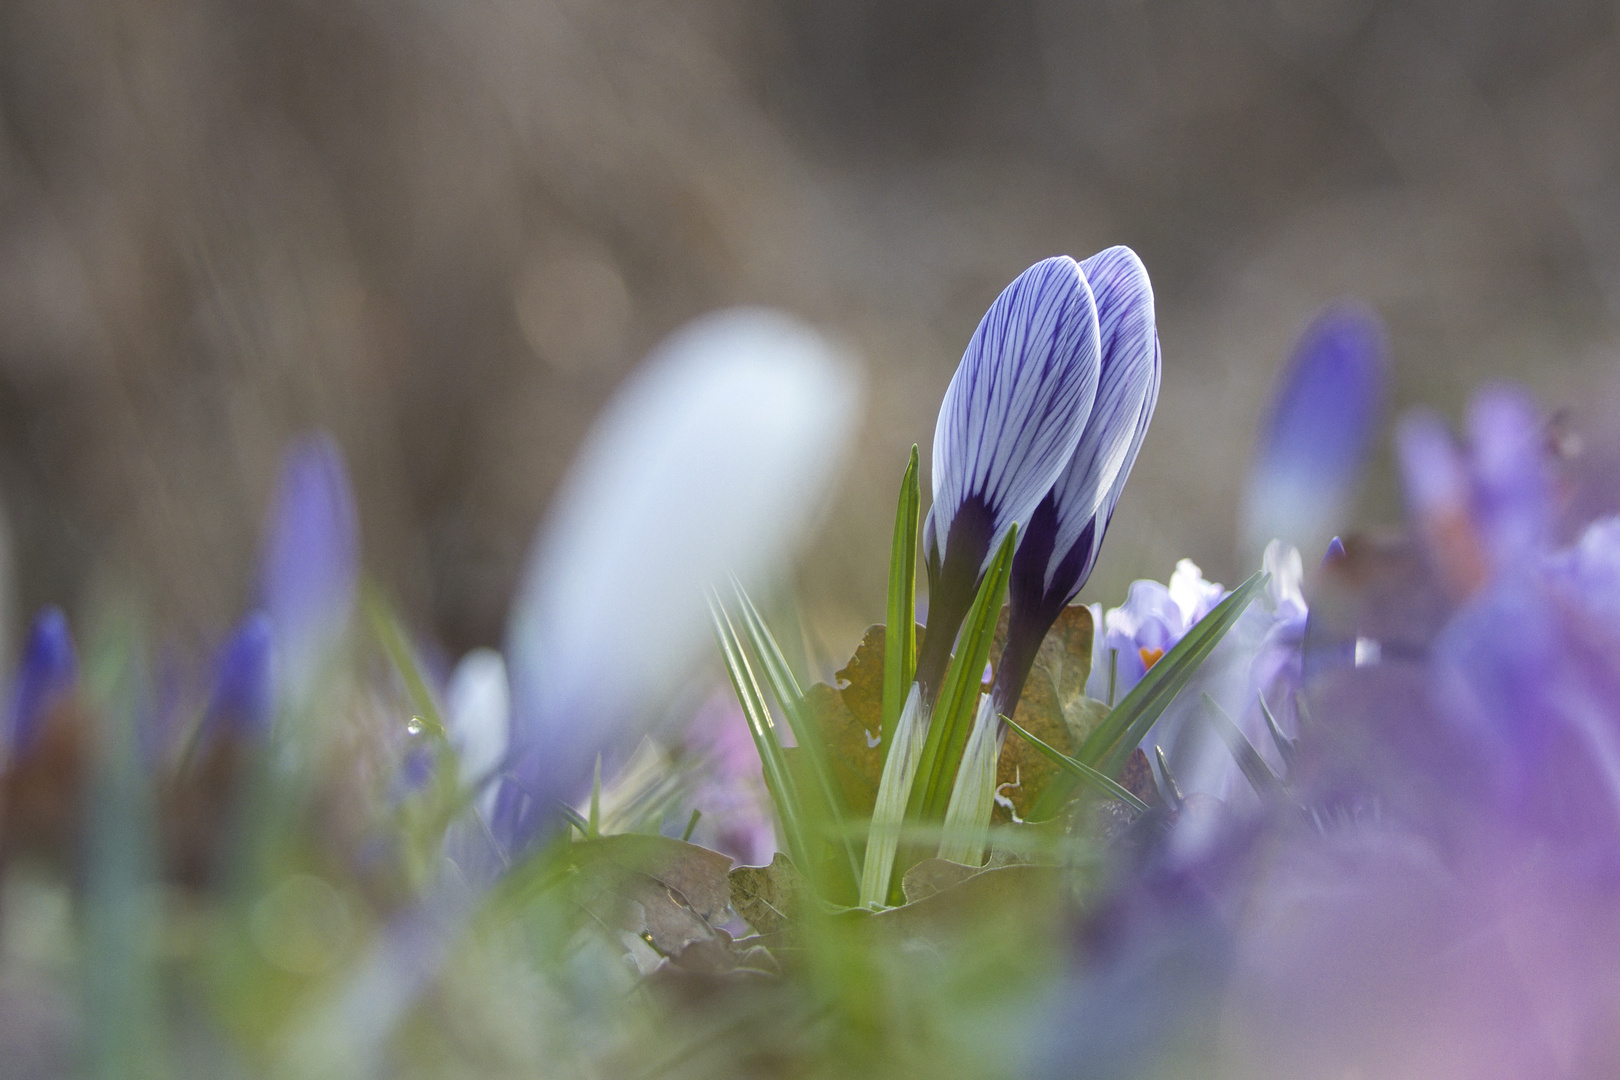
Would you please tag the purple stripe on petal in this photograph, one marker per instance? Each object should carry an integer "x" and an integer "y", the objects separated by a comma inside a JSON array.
[
  {"x": 46, "y": 675},
  {"x": 1019, "y": 400},
  {"x": 1127, "y": 391}
]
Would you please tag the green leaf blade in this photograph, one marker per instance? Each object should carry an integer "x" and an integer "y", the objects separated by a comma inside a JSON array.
[
  {"x": 785, "y": 688},
  {"x": 900, "y": 632},
  {"x": 1079, "y": 769},
  {"x": 778, "y": 780},
  {"x": 959, "y": 694},
  {"x": 1107, "y": 748}
]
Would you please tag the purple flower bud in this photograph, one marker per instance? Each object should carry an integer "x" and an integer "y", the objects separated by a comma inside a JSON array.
[
  {"x": 243, "y": 700},
  {"x": 1321, "y": 423},
  {"x": 310, "y": 560},
  {"x": 46, "y": 675},
  {"x": 1009, "y": 424},
  {"x": 1060, "y": 545}
]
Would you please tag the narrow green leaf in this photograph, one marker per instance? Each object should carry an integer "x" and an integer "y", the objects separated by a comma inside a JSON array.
[
  {"x": 386, "y": 628},
  {"x": 889, "y": 808},
  {"x": 900, "y": 632},
  {"x": 593, "y": 823},
  {"x": 778, "y": 781},
  {"x": 959, "y": 694},
  {"x": 573, "y": 818},
  {"x": 1254, "y": 767},
  {"x": 1170, "y": 786},
  {"x": 1285, "y": 745},
  {"x": 786, "y": 690},
  {"x": 1111, "y": 744},
  {"x": 973, "y": 796},
  {"x": 1108, "y": 747},
  {"x": 691, "y": 825},
  {"x": 1079, "y": 769}
]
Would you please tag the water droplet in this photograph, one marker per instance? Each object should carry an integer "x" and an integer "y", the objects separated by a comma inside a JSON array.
[{"x": 415, "y": 727}]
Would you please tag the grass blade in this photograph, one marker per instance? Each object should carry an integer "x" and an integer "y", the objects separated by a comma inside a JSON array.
[
  {"x": 1079, "y": 769},
  {"x": 959, "y": 694},
  {"x": 773, "y": 763},
  {"x": 785, "y": 688},
  {"x": 1254, "y": 767},
  {"x": 889, "y": 810},
  {"x": 1171, "y": 788},
  {"x": 386, "y": 628},
  {"x": 1111, "y": 744},
  {"x": 900, "y": 632},
  {"x": 973, "y": 796},
  {"x": 1285, "y": 745}
]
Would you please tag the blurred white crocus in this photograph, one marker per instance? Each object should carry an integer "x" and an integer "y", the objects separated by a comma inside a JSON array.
[
  {"x": 714, "y": 458},
  {"x": 479, "y": 703}
]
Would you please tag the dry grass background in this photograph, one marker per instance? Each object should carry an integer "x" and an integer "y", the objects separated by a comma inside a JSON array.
[{"x": 444, "y": 230}]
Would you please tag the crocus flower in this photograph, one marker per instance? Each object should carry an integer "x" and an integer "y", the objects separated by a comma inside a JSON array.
[
  {"x": 1480, "y": 510},
  {"x": 1059, "y": 547},
  {"x": 1260, "y": 657},
  {"x": 1321, "y": 423},
  {"x": 46, "y": 675},
  {"x": 479, "y": 702},
  {"x": 243, "y": 699},
  {"x": 713, "y": 458},
  {"x": 1065, "y": 533},
  {"x": 1152, "y": 620},
  {"x": 310, "y": 563},
  {"x": 1008, "y": 427}
]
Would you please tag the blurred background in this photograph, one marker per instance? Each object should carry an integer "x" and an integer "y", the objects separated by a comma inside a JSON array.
[{"x": 445, "y": 231}]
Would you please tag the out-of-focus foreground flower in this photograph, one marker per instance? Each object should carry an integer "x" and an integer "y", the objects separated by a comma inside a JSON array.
[{"x": 714, "y": 459}]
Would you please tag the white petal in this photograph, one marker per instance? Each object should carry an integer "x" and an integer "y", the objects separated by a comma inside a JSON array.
[
  {"x": 716, "y": 456},
  {"x": 480, "y": 706}
]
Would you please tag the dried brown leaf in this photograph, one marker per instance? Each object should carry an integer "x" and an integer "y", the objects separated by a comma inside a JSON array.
[
  {"x": 933, "y": 876},
  {"x": 768, "y": 898}
]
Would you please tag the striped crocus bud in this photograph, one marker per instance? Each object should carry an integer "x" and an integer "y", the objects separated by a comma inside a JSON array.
[
  {"x": 1008, "y": 426},
  {"x": 47, "y": 674},
  {"x": 1060, "y": 544},
  {"x": 1329, "y": 401}
]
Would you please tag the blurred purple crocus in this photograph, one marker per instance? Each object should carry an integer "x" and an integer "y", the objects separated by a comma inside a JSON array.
[
  {"x": 309, "y": 566},
  {"x": 243, "y": 699},
  {"x": 46, "y": 675},
  {"x": 1316, "y": 436},
  {"x": 1479, "y": 510}
]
